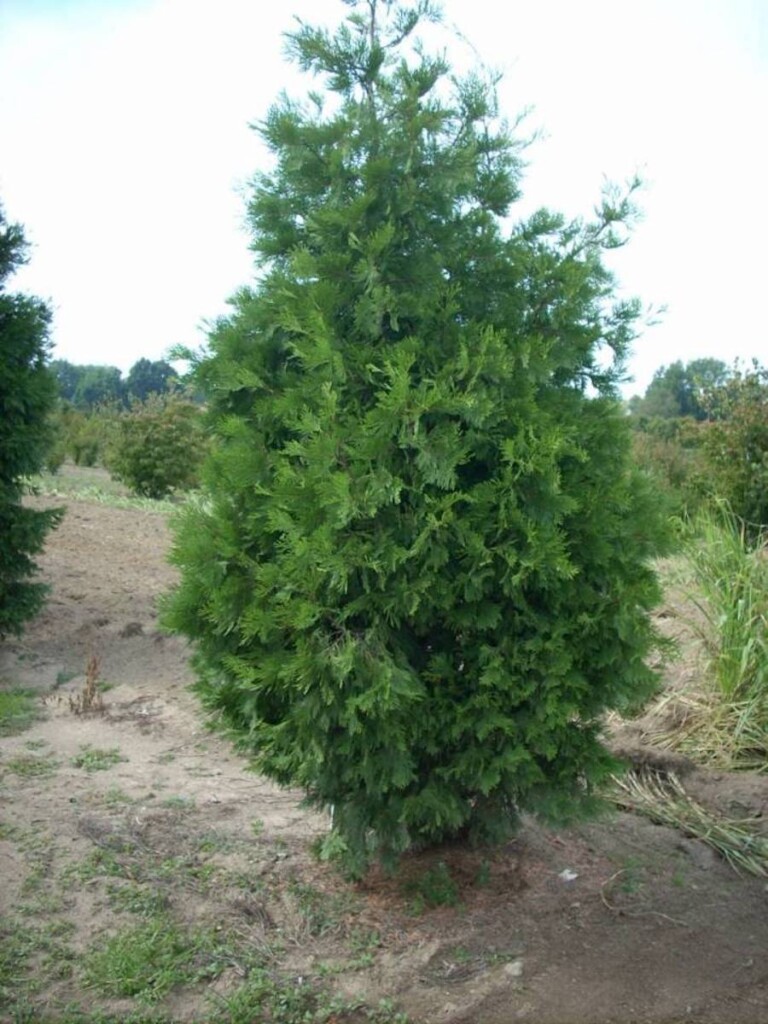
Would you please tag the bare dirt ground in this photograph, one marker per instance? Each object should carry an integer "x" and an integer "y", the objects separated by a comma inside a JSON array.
[{"x": 617, "y": 921}]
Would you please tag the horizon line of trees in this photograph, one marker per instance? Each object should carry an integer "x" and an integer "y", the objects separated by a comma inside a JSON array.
[
  {"x": 701, "y": 431},
  {"x": 88, "y": 386},
  {"x": 680, "y": 390}
]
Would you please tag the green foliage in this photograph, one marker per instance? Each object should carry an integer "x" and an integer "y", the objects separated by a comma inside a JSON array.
[
  {"x": 670, "y": 452},
  {"x": 27, "y": 397},
  {"x": 736, "y": 444},
  {"x": 702, "y": 433},
  {"x": 67, "y": 378},
  {"x": 434, "y": 888},
  {"x": 420, "y": 571},
  {"x": 88, "y": 387},
  {"x": 84, "y": 437},
  {"x": 93, "y": 759},
  {"x": 18, "y": 710},
  {"x": 158, "y": 446},
  {"x": 147, "y": 378},
  {"x": 98, "y": 385},
  {"x": 29, "y": 766},
  {"x": 151, "y": 959},
  {"x": 681, "y": 390},
  {"x": 730, "y": 589}
]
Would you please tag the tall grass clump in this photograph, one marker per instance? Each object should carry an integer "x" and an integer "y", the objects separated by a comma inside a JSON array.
[{"x": 730, "y": 591}]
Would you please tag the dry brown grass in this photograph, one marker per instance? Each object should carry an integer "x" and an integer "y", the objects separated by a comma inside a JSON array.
[{"x": 89, "y": 700}]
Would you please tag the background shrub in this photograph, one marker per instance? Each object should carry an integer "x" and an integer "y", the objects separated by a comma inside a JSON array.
[
  {"x": 735, "y": 444},
  {"x": 158, "y": 446}
]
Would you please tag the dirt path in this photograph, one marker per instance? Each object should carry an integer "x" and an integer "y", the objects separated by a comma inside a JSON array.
[{"x": 109, "y": 818}]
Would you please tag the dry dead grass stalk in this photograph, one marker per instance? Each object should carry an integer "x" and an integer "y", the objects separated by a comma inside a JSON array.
[
  {"x": 661, "y": 797},
  {"x": 89, "y": 700}
]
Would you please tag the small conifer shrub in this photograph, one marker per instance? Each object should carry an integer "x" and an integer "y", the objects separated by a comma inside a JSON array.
[
  {"x": 420, "y": 570},
  {"x": 27, "y": 400}
]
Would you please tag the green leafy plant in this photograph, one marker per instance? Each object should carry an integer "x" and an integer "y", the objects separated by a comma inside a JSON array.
[
  {"x": 92, "y": 759},
  {"x": 434, "y": 888},
  {"x": 149, "y": 960},
  {"x": 32, "y": 765},
  {"x": 27, "y": 398},
  {"x": 158, "y": 446},
  {"x": 18, "y": 710},
  {"x": 736, "y": 445},
  {"x": 82, "y": 436},
  {"x": 670, "y": 452},
  {"x": 420, "y": 568}
]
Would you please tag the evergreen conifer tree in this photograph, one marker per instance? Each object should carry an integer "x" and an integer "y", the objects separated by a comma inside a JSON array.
[
  {"x": 27, "y": 397},
  {"x": 420, "y": 572}
]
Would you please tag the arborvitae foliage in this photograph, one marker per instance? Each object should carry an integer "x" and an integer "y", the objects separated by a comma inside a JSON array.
[
  {"x": 27, "y": 397},
  {"x": 421, "y": 569}
]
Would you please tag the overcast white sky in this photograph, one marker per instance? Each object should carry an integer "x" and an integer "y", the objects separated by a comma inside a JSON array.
[{"x": 125, "y": 147}]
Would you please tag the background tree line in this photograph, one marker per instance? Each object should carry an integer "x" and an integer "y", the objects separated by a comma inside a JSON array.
[
  {"x": 701, "y": 432},
  {"x": 86, "y": 387}
]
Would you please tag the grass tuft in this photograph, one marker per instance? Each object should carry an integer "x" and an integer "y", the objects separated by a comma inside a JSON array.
[
  {"x": 19, "y": 709},
  {"x": 727, "y": 724},
  {"x": 150, "y": 960},
  {"x": 32, "y": 766},
  {"x": 93, "y": 759}
]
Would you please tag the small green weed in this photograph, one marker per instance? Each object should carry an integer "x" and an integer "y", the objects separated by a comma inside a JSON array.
[
  {"x": 42, "y": 904},
  {"x": 32, "y": 766},
  {"x": 435, "y": 888},
  {"x": 98, "y": 864},
  {"x": 187, "y": 869},
  {"x": 116, "y": 797},
  {"x": 323, "y": 912},
  {"x": 257, "y": 827},
  {"x": 29, "y": 952},
  {"x": 179, "y": 801},
  {"x": 19, "y": 709},
  {"x": 149, "y": 961},
  {"x": 483, "y": 874},
  {"x": 63, "y": 677},
  {"x": 214, "y": 841},
  {"x": 136, "y": 899},
  {"x": 364, "y": 940},
  {"x": 678, "y": 878},
  {"x": 92, "y": 759},
  {"x": 363, "y": 944},
  {"x": 262, "y": 998},
  {"x": 462, "y": 955}
]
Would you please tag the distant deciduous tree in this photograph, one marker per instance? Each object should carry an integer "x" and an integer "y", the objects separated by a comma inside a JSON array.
[
  {"x": 680, "y": 390},
  {"x": 147, "y": 378},
  {"x": 736, "y": 444},
  {"x": 67, "y": 378},
  {"x": 99, "y": 385}
]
